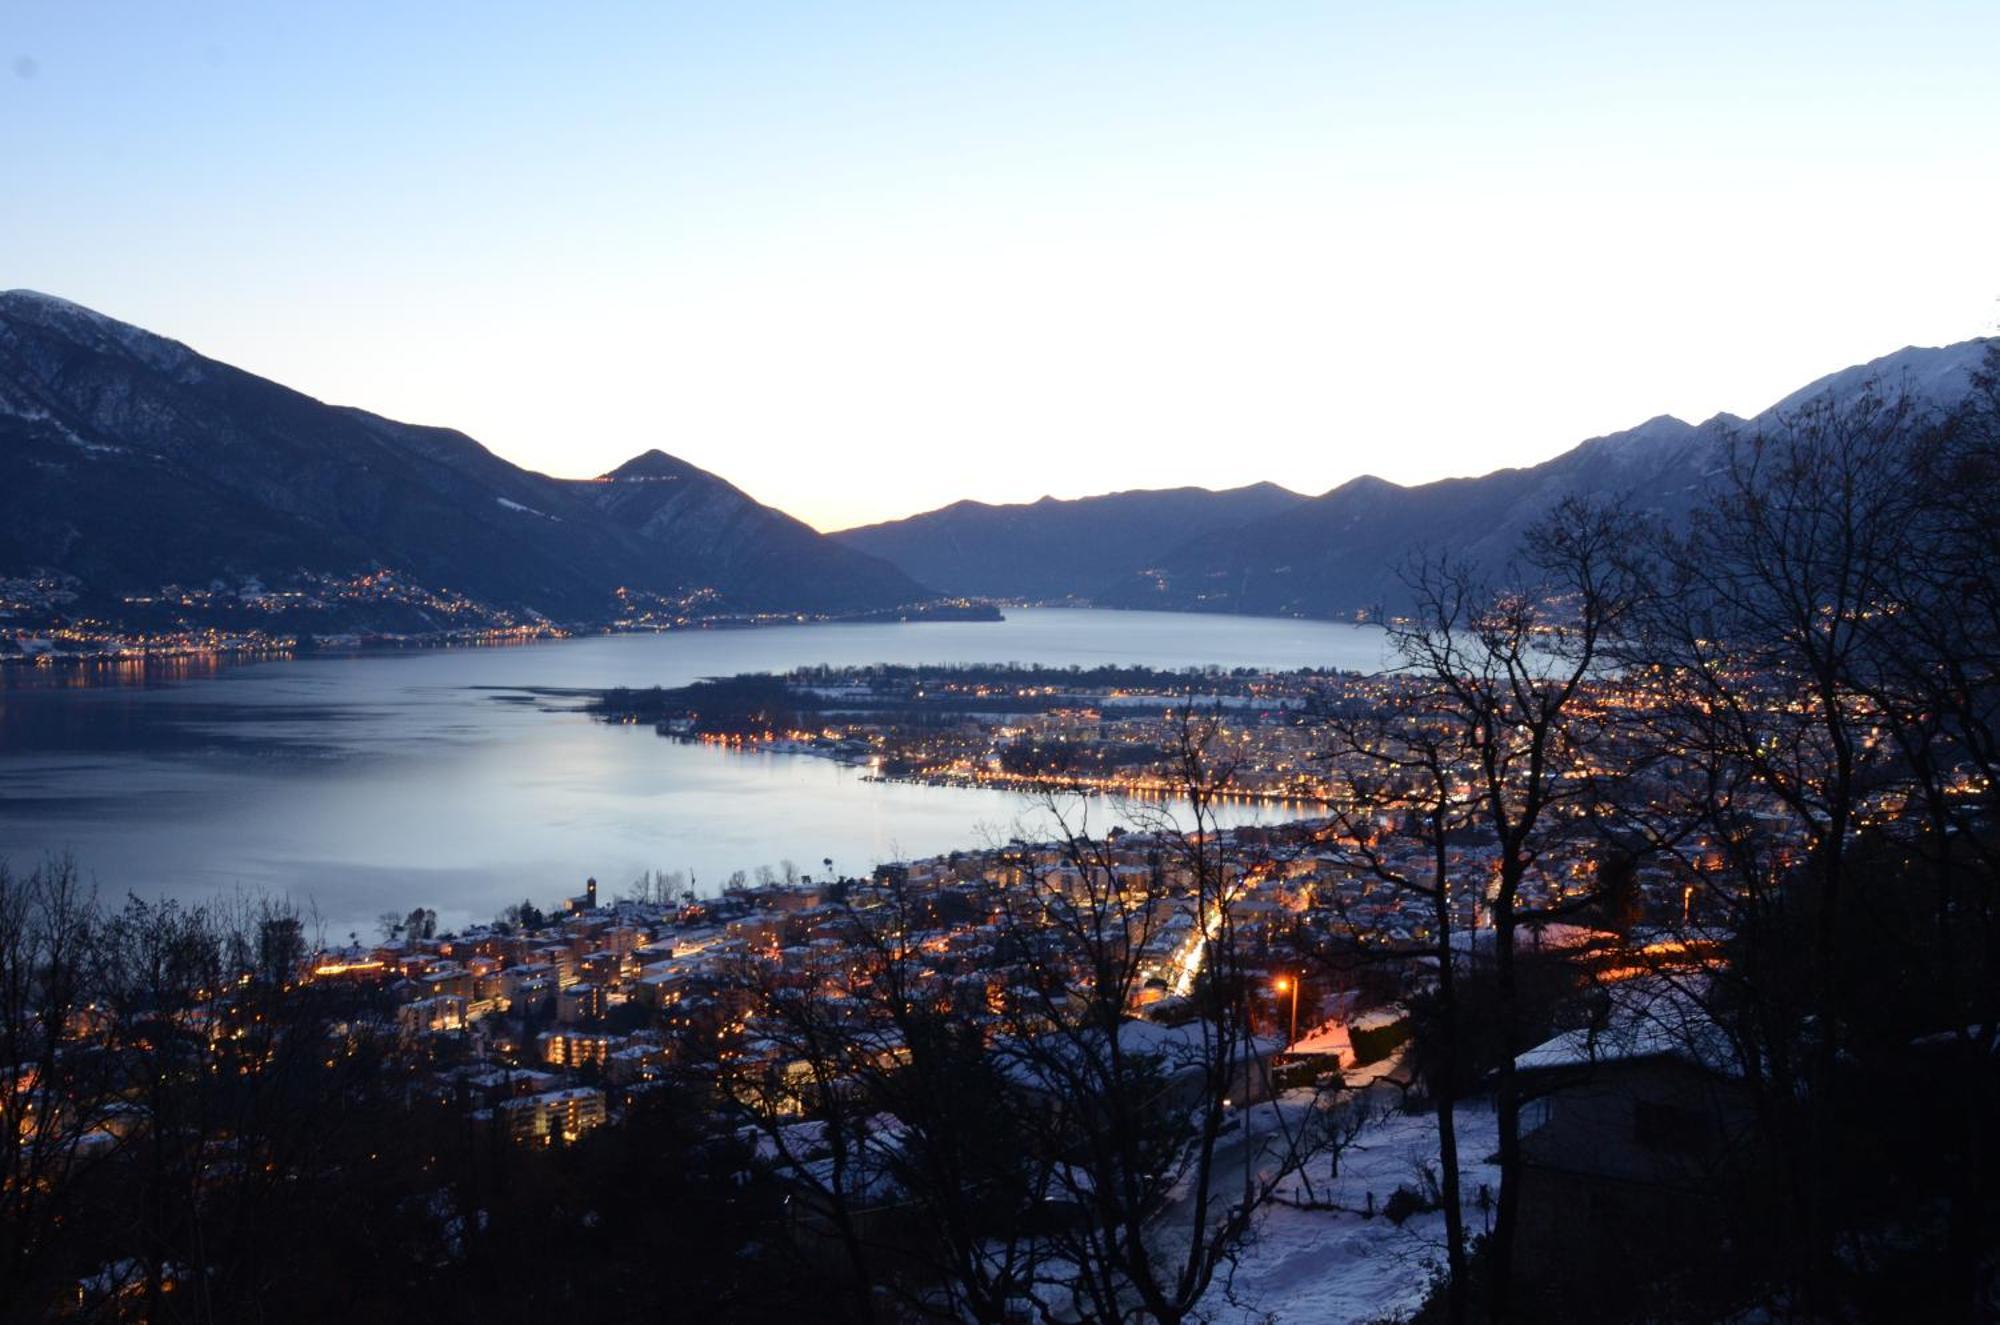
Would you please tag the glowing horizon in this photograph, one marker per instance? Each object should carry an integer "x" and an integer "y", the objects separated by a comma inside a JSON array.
[{"x": 867, "y": 263}]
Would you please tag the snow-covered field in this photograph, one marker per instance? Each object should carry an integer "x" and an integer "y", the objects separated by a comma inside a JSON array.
[{"x": 1331, "y": 1267}]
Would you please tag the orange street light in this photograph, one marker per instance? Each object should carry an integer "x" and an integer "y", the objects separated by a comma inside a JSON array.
[{"x": 1287, "y": 983}]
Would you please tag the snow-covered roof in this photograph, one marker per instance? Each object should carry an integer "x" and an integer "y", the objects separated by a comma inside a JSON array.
[
  {"x": 1647, "y": 1019},
  {"x": 1330, "y": 1038}
]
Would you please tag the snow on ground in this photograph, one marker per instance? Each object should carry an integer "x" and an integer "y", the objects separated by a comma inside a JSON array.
[
  {"x": 526, "y": 510},
  {"x": 35, "y": 414},
  {"x": 1331, "y": 1267}
]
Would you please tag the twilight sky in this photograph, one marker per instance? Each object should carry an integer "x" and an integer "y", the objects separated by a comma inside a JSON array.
[{"x": 866, "y": 259}]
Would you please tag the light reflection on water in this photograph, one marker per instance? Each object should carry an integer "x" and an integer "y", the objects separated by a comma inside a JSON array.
[{"x": 368, "y": 784}]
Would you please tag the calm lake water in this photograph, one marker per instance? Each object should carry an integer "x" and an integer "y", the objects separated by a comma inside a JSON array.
[{"x": 384, "y": 782}]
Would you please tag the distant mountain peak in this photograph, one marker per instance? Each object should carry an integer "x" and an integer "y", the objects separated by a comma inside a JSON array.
[
  {"x": 1057, "y": 547},
  {"x": 1659, "y": 423},
  {"x": 653, "y": 464},
  {"x": 128, "y": 460},
  {"x": 1361, "y": 486},
  {"x": 1640, "y": 444},
  {"x": 26, "y": 298},
  {"x": 98, "y": 331},
  {"x": 1340, "y": 552},
  {"x": 1942, "y": 375}
]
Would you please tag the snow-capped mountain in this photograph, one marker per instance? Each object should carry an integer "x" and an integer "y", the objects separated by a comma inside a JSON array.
[{"x": 1338, "y": 553}]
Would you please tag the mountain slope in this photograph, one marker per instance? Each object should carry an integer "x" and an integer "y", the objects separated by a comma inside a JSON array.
[
  {"x": 688, "y": 515},
  {"x": 129, "y": 461},
  {"x": 1337, "y": 553},
  {"x": 1056, "y": 549}
]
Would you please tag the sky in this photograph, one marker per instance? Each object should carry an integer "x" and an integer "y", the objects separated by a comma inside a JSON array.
[{"x": 866, "y": 259}]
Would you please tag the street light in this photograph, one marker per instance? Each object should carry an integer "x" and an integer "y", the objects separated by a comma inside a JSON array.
[{"x": 1290, "y": 983}]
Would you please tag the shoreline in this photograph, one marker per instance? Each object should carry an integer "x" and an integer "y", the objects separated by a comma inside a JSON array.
[
  {"x": 121, "y": 652},
  {"x": 1029, "y": 785},
  {"x": 1023, "y": 784}
]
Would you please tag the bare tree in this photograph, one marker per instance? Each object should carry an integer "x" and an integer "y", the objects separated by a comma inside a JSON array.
[
  {"x": 1753, "y": 647},
  {"x": 1502, "y": 670},
  {"x": 1816, "y": 681},
  {"x": 53, "y": 1096},
  {"x": 1397, "y": 778},
  {"x": 1936, "y": 680},
  {"x": 1073, "y": 1158},
  {"x": 883, "y": 1108}
]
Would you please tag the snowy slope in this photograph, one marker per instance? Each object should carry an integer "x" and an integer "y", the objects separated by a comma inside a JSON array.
[{"x": 1342, "y": 1267}]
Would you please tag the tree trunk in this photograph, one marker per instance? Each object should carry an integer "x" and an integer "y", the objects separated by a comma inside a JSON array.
[
  {"x": 1454, "y": 1208},
  {"x": 1500, "y": 1245}
]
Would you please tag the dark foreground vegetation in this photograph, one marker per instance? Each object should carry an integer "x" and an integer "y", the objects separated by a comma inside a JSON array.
[{"x": 212, "y": 1138}]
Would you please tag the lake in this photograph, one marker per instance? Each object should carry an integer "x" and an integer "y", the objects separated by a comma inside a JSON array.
[{"x": 380, "y": 782}]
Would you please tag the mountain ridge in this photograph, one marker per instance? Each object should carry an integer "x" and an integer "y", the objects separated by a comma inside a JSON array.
[
  {"x": 129, "y": 461},
  {"x": 1334, "y": 554},
  {"x": 1053, "y": 547}
]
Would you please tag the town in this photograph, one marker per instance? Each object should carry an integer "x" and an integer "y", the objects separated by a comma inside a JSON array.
[
  {"x": 46, "y": 620},
  {"x": 1111, "y": 730},
  {"x": 543, "y": 1027}
]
